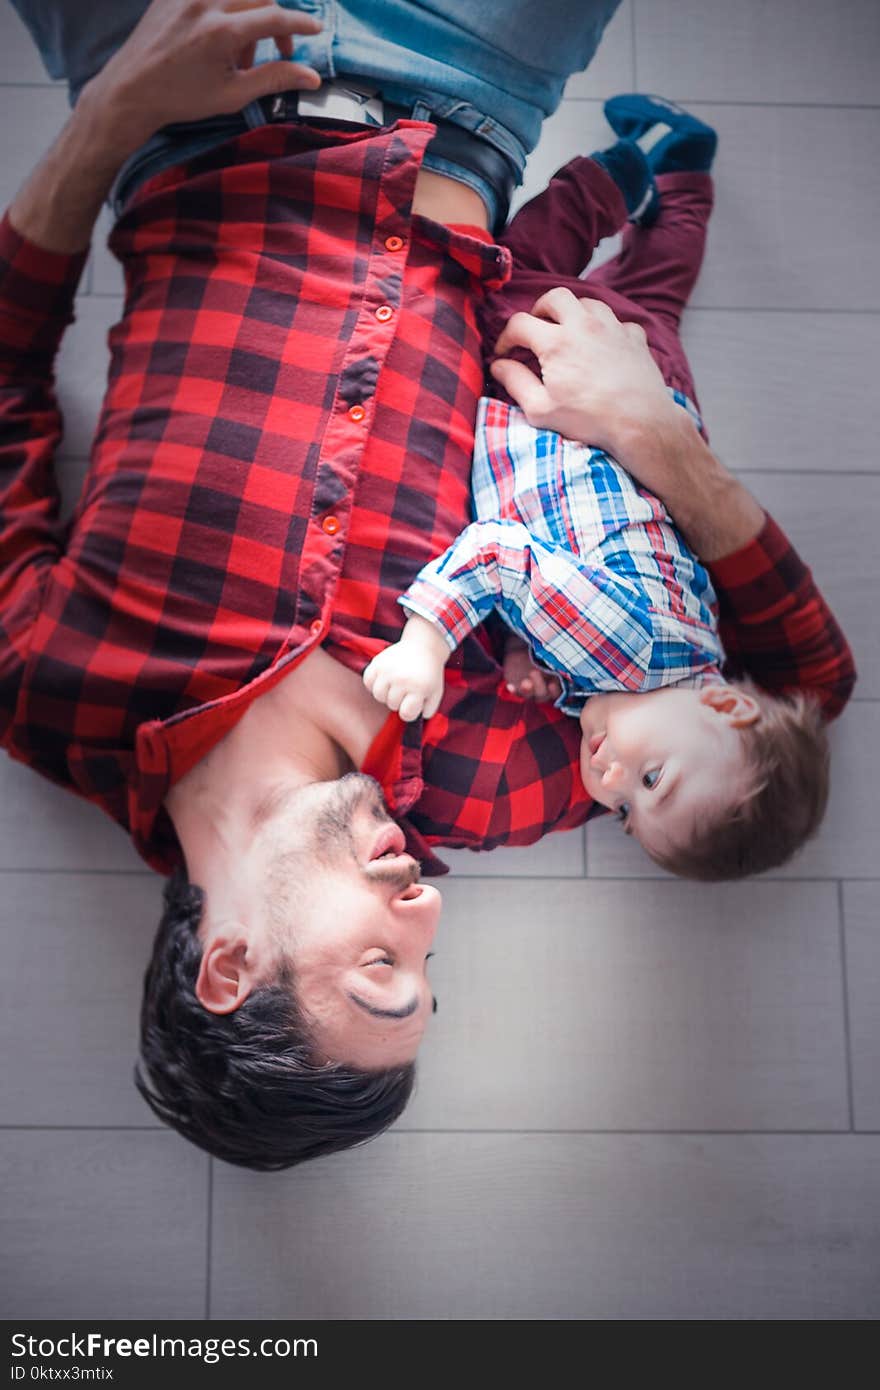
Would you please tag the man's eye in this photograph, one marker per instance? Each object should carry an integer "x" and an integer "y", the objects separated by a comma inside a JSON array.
[
  {"x": 650, "y": 779},
  {"x": 380, "y": 960},
  {"x": 623, "y": 812}
]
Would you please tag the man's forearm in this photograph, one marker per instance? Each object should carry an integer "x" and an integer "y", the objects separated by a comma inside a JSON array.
[
  {"x": 180, "y": 63},
  {"x": 58, "y": 205},
  {"x": 599, "y": 384},
  {"x": 715, "y": 513}
]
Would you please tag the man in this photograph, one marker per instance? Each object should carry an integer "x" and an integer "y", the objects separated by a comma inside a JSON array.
[{"x": 286, "y": 438}]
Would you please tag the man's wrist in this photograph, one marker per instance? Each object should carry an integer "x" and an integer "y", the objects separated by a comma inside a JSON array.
[
  {"x": 57, "y": 206},
  {"x": 716, "y": 513},
  {"x": 112, "y": 123}
]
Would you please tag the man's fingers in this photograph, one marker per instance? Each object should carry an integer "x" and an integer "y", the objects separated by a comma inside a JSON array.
[
  {"x": 523, "y": 386},
  {"x": 246, "y": 57},
  {"x": 562, "y": 307},
  {"x": 267, "y": 78},
  {"x": 525, "y": 331},
  {"x": 557, "y": 306},
  {"x": 269, "y": 22}
]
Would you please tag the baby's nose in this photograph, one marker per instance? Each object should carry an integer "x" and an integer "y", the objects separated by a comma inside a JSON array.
[{"x": 612, "y": 775}]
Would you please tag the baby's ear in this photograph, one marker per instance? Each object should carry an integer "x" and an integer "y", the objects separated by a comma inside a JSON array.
[{"x": 737, "y": 706}]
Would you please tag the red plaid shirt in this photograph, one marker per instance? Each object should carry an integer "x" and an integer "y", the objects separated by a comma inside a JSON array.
[{"x": 286, "y": 439}]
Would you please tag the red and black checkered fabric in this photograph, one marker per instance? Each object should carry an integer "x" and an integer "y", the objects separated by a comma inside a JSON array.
[
  {"x": 286, "y": 439},
  {"x": 777, "y": 628}
]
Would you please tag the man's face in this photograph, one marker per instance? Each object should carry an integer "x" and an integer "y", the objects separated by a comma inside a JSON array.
[
  {"x": 345, "y": 904},
  {"x": 664, "y": 761}
]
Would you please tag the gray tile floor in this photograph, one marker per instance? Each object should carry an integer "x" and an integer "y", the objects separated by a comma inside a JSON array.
[{"x": 641, "y": 1098}]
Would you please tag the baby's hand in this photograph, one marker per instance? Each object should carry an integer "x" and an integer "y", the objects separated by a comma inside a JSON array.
[
  {"x": 408, "y": 675},
  {"x": 522, "y": 677}
]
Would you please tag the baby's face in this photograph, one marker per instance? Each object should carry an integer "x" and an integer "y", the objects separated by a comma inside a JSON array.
[{"x": 666, "y": 760}]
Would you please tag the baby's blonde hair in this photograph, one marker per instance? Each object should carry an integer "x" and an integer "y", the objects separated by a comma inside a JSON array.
[{"x": 786, "y": 750}]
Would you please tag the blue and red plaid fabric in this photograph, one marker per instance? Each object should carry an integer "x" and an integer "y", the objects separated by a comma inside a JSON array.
[
  {"x": 286, "y": 439},
  {"x": 584, "y": 565}
]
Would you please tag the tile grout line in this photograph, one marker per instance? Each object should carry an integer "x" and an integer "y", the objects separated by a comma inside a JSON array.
[
  {"x": 742, "y": 105},
  {"x": 92, "y": 873},
  {"x": 847, "y": 1032},
  {"x": 806, "y": 473},
  {"x": 89, "y": 1129},
  {"x": 675, "y": 1133},
  {"x": 777, "y": 309},
  {"x": 841, "y": 1132},
  {"x": 209, "y": 1240}
]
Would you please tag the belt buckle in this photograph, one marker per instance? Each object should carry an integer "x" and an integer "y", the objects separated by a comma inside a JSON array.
[
  {"x": 278, "y": 108},
  {"x": 338, "y": 101}
]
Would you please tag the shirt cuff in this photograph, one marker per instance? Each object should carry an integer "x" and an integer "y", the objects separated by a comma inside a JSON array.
[
  {"x": 453, "y": 617},
  {"x": 37, "y": 289},
  {"x": 761, "y": 575}
]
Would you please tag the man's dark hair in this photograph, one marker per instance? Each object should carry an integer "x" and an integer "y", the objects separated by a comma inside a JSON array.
[{"x": 243, "y": 1085}]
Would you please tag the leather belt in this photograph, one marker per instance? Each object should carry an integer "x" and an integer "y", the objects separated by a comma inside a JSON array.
[{"x": 349, "y": 101}]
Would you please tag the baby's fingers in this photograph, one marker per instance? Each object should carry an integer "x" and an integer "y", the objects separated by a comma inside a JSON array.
[
  {"x": 395, "y": 693},
  {"x": 410, "y": 708},
  {"x": 432, "y": 703},
  {"x": 377, "y": 681}
]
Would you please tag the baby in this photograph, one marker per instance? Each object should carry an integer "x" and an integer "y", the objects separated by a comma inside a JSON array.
[{"x": 715, "y": 778}]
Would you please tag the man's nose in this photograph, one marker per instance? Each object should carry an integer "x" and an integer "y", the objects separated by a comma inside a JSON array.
[{"x": 421, "y": 904}]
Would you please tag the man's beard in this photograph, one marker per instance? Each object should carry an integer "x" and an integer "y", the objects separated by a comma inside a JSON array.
[
  {"x": 330, "y": 842},
  {"x": 334, "y": 833},
  {"x": 334, "y": 824}
]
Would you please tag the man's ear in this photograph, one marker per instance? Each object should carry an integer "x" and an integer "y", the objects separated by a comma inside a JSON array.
[
  {"x": 738, "y": 706},
  {"x": 225, "y": 978}
]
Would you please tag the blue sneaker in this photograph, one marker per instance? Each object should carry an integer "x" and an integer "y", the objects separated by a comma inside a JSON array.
[
  {"x": 671, "y": 139},
  {"x": 628, "y": 167}
]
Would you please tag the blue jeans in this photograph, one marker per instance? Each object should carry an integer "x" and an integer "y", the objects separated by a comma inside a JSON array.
[{"x": 455, "y": 60}]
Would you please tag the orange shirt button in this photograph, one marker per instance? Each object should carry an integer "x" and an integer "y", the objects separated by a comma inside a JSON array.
[
  {"x": 331, "y": 525},
  {"x": 384, "y": 313},
  {"x": 316, "y": 627},
  {"x": 394, "y": 243},
  {"x": 356, "y": 412}
]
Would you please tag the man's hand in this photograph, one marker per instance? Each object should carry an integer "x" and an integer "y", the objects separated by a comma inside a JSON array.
[
  {"x": 598, "y": 382},
  {"x": 408, "y": 675},
  {"x": 600, "y": 385},
  {"x": 189, "y": 59}
]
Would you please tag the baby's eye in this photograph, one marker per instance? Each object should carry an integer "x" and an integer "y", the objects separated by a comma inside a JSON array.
[
  {"x": 650, "y": 778},
  {"x": 623, "y": 812}
]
